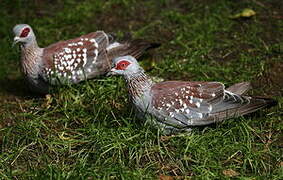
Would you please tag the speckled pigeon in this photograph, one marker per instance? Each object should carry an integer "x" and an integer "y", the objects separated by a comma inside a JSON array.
[
  {"x": 180, "y": 105},
  {"x": 70, "y": 61}
]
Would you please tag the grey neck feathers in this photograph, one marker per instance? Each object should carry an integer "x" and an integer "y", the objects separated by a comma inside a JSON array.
[
  {"x": 138, "y": 84},
  {"x": 31, "y": 57}
]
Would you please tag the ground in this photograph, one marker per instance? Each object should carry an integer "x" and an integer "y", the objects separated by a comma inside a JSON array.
[{"x": 88, "y": 131}]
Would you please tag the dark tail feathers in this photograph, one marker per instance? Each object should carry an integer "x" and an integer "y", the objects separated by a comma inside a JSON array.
[
  {"x": 255, "y": 104},
  {"x": 138, "y": 47},
  {"x": 135, "y": 48}
]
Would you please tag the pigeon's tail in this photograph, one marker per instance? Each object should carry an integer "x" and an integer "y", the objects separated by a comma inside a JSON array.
[
  {"x": 239, "y": 88},
  {"x": 135, "y": 48},
  {"x": 254, "y": 103}
]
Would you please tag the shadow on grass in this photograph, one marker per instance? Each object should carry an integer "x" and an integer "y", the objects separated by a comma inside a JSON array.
[{"x": 16, "y": 88}]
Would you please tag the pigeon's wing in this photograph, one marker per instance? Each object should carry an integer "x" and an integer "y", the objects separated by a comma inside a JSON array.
[
  {"x": 193, "y": 103},
  {"x": 78, "y": 58}
]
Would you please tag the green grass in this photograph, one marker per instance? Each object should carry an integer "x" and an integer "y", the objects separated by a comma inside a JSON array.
[{"x": 89, "y": 130}]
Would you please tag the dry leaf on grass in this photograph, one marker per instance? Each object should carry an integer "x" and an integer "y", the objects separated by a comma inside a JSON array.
[
  {"x": 246, "y": 13},
  {"x": 230, "y": 173},
  {"x": 166, "y": 138},
  {"x": 164, "y": 177},
  {"x": 48, "y": 101}
]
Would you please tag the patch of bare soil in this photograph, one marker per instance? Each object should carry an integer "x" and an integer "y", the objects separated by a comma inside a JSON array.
[{"x": 271, "y": 80}]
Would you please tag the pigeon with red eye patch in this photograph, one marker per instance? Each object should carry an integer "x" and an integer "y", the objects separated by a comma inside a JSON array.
[
  {"x": 181, "y": 105},
  {"x": 71, "y": 61},
  {"x": 25, "y": 32},
  {"x": 122, "y": 65}
]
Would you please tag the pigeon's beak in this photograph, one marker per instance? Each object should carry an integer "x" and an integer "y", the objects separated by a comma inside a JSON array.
[
  {"x": 16, "y": 40},
  {"x": 111, "y": 72}
]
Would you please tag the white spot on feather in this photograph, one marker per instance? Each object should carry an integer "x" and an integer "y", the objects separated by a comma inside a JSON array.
[
  {"x": 69, "y": 56},
  {"x": 210, "y": 108},
  {"x": 198, "y": 104},
  {"x": 182, "y": 110},
  {"x": 94, "y": 42},
  {"x": 95, "y": 57},
  {"x": 187, "y": 111},
  {"x": 60, "y": 68},
  {"x": 113, "y": 45},
  {"x": 71, "y": 62},
  {"x": 67, "y": 50}
]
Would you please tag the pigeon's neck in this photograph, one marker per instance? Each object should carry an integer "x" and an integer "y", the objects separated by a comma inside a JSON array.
[
  {"x": 138, "y": 84},
  {"x": 31, "y": 57},
  {"x": 32, "y": 43}
]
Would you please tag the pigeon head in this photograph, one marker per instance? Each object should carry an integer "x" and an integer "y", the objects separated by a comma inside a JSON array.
[
  {"x": 23, "y": 34},
  {"x": 125, "y": 65}
]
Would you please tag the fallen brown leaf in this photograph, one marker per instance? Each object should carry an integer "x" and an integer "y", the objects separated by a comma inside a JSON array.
[
  {"x": 230, "y": 173},
  {"x": 166, "y": 138},
  {"x": 164, "y": 177},
  {"x": 48, "y": 101}
]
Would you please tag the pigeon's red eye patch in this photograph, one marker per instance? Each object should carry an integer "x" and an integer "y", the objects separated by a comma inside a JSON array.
[
  {"x": 25, "y": 32},
  {"x": 122, "y": 65}
]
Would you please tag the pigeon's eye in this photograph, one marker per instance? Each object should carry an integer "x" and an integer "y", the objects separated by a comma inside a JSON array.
[
  {"x": 122, "y": 65},
  {"x": 25, "y": 32}
]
